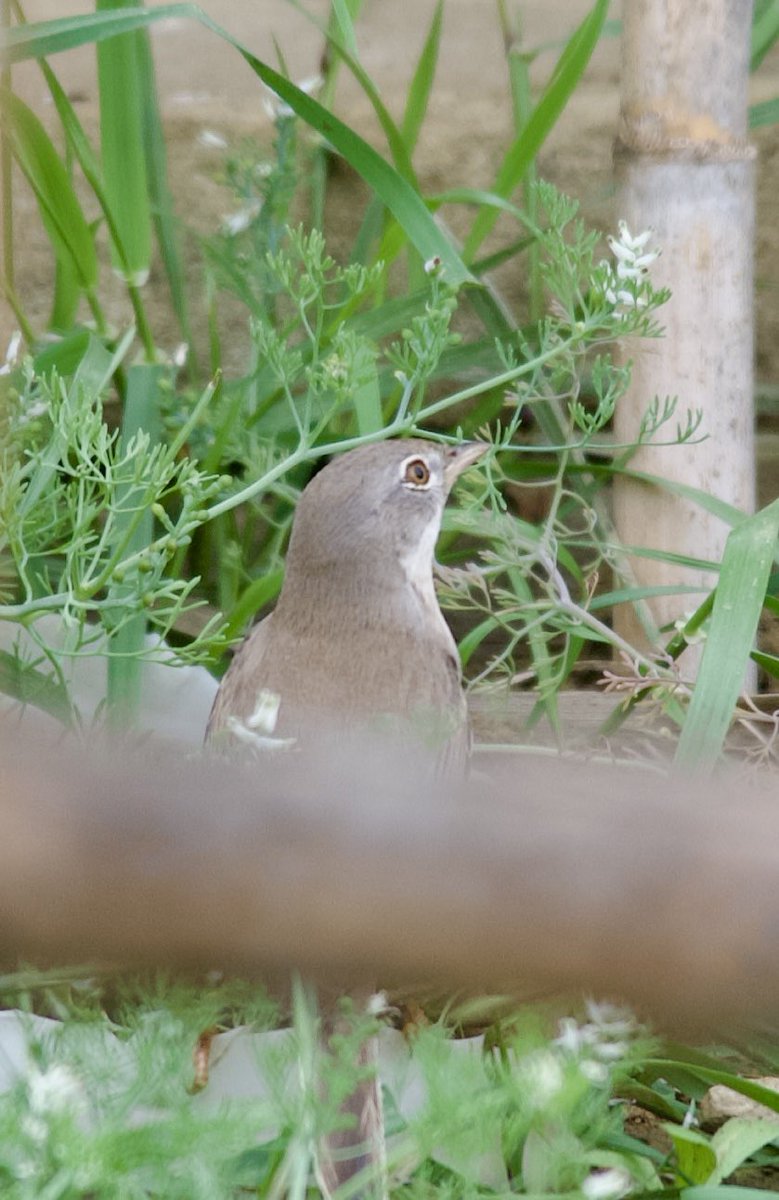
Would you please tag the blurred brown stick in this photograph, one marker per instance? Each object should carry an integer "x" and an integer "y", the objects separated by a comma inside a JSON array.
[{"x": 546, "y": 874}]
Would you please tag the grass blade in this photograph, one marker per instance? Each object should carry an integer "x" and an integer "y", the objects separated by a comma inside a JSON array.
[
  {"x": 141, "y": 412},
  {"x": 367, "y": 397},
  {"x": 67, "y": 293},
  {"x": 121, "y": 140},
  {"x": 766, "y": 113},
  {"x": 40, "y": 39},
  {"x": 569, "y": 70},
  {"x": 6, "y": 182},
  {"x": 343, "y": 48},
  {"x": 768, "y": 662},
  {"x": 765, "y": 31},
  {"x": 81, "y": 147},
  {"x": 422, "y": 82},
  {"x": 746, "y": 566},
  {"x": 402, "y": 200},
  {"x": 44, "y": 170},
  {"x": 160, "y": 197}
]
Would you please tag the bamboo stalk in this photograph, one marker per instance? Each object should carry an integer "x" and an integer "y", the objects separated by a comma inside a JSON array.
[{"x": 686, "y": 169}]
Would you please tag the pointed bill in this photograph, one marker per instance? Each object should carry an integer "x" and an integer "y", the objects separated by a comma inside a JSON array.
[{"x": 460, "y": 458}]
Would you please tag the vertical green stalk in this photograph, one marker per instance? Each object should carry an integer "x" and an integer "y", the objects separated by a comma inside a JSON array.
[
  {"x": 160, "y": 197},
  {"x": 122, "y": 146},
  {"x": 6, "y": 193},
  {"x": 141, "y": 412},
  {"x": 518, "y": 62}
]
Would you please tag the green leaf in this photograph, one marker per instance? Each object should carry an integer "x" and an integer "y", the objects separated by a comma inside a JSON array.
[
  {"x": 765, "y": 31},
  {"x": 259, "y": 593},
  {"x": 160, "y": 197},
  {"x": 765, "y": 112},
  {"x": 744, "y": 573},
  {"x": 718, "y": 1192},
  {"x": 41, "y": 39},
  {"x": 22, "y": 681},
  {"x": 406, "y": 205},
  {"x": 422, "y": 82},
  {"x": 769, "y": 662},
  {"x": 738, "y": 1139},
  {"x": 474, "y": 638},
  {"x": 348, "y": 55},
  {"x": 135, "y": 530},
  {"x": 745, "y": 1087},
  {"x": 694, "y": 1156},
  {"x": 62, "y": 355},
  {"x": 569, "y": 70},
  {"x": 65, "y": 223},
  {"x": 367, "y": 397},
  {"x": 122, "y": 144},
  {"x": 705, "y": 500},
  {"x": 67, "y": 294}
]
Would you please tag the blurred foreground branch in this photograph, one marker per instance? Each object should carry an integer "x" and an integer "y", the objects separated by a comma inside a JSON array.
[{"x": 545, "y": 874}]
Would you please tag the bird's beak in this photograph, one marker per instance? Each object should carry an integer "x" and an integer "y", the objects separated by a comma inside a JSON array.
[{"x": 460, "y": 458}]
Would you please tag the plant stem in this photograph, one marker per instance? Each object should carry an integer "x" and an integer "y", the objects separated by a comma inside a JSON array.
[{"x": 6, "y": 165}]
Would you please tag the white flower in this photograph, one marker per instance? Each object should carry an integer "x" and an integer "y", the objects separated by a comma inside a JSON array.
[
  {"x": 632, "y": 265},
  {"x": 606, "y": 1185},
  {"x": 433, "y": 265},
  {"x": 277, "y": 109}
]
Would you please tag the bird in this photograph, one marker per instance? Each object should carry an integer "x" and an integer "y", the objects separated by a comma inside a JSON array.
[
  {"x": 357, "y": 630},
  {"x": 357, "y": 641}
]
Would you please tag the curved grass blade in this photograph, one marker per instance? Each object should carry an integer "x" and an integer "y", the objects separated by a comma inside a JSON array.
[
  {"x": 66, "y": 225},
  {"x": 765, "y": 32},
  {"x": 81, "y": 147},
  {"x": 768, "y": 662},
  {"x": 346, "y": 49},
  {"x": 405, "y": 204},
  {"x": 40, "y": 39},
  {"x": 160, "y": 197},
  {"x": 569, "y": 70},
  {"x": 744, "y": 573},
  {"x": 422, "y": 82},
  {"x": 763, "y": 113}
]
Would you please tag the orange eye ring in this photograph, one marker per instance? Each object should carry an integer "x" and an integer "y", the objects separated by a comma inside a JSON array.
[{"x": 416, "y": 473}]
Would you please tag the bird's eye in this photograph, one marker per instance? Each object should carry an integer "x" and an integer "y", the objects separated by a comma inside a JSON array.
[{"x": 416, "y": 472}]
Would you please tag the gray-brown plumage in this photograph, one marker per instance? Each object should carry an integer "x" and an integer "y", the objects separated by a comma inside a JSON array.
[
  {"x": 357, "y": 637},
  {"x": 357, "y": 631}
]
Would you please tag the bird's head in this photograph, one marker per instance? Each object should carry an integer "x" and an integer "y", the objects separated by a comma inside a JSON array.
[{"x": 377, "y": 506}]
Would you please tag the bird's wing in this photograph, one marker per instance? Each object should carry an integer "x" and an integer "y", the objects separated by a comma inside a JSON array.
[{"x": 240, "y": 686}]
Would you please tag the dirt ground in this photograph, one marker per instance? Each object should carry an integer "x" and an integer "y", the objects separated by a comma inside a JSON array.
[{"x": 204, "y": 86}]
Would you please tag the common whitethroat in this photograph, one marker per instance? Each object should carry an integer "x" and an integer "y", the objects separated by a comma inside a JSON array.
[
  {"x": 357, "y": 637},
  {"x": 357, "y": 633}
]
